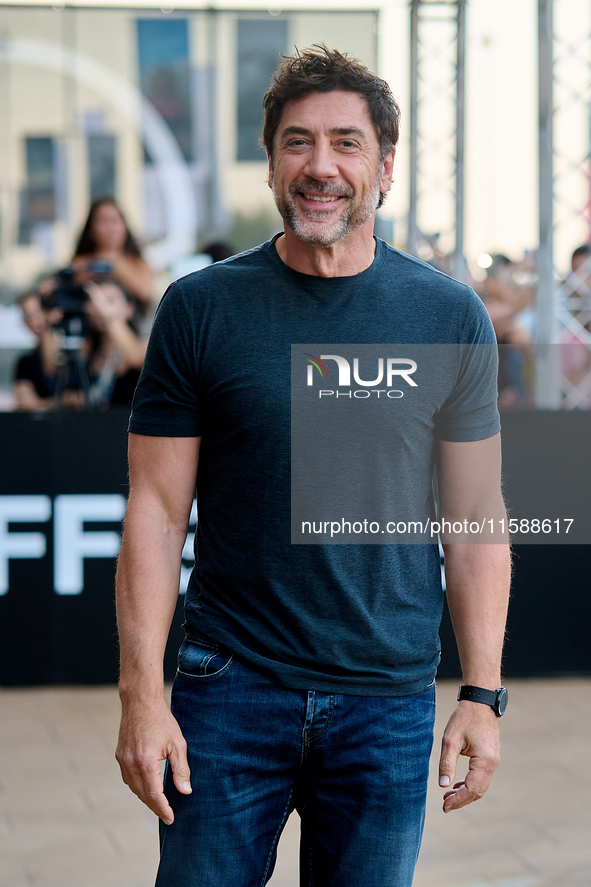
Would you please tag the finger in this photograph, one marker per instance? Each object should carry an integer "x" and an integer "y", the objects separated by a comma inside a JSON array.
[
  {"x": 480, "y": 773},
  {"x": 154, "y": 798},
  {"x": 450, "y": 752},
  {"x": 145, "y": 781},
  {"x": 179, "y": 766},
  {"x": 456, "y": 786},
  {"x": 93, "y": 290},
  {"x": 474, "y": 786},
  {"x": 460, "y": 797}
]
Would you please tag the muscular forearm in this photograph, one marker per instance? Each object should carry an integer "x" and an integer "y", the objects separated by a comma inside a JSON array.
[
  {"x": 477, "y": 576},
  {"x": 477, "y": 579},
  {"x": 162, "y": 477},
  {"x": 477, "y": 568},
  {"x": 477, "y": 582},
  {"x": 147, "y": 592}
]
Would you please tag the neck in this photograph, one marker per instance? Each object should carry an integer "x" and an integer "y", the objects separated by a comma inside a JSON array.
[{"x": 348, "y": 257}]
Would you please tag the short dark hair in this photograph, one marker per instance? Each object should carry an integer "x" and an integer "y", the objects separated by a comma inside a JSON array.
[
  {"x": 320, "y": 69},
  {"x": 581, "y": 252}
]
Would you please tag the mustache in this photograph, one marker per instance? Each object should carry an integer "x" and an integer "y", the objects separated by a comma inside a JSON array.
[{"x": 325, "y": 189}]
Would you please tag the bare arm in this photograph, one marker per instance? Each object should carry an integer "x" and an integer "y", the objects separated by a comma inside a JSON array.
[
  {"x": 135, "y": 276},
  {"x": 162, "y": 473},
  {"x": 26, "y": 397},
  {"x": 477, "y": 579},
  {"x": 125, "y": 340},
  {"x": 131, "y": 272}
]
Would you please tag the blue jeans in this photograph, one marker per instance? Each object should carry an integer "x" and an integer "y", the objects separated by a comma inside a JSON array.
[{"x": 354, "y": 767}]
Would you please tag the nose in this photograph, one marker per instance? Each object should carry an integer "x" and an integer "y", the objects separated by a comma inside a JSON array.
[{"x": 320, "y": 163}]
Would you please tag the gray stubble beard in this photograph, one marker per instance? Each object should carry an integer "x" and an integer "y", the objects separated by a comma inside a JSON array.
[{"x": 349, "y": 222}]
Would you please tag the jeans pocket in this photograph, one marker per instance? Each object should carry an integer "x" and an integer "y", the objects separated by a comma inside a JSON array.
[{"x": 200, "y": 660}]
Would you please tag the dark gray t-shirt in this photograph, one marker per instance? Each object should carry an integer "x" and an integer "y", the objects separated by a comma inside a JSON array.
[{"x": 354, "y": 619}]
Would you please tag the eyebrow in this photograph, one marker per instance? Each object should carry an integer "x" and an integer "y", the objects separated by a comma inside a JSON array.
[{"x": 335, "y": 131}]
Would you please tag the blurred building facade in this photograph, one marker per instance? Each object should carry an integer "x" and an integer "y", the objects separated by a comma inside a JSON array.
[{"x": 161, "y": 109}]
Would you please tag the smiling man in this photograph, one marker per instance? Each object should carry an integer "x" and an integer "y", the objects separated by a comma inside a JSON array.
[{"x": 306, "y": 678}]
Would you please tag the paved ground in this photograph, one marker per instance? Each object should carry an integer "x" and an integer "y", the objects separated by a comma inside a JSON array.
[{"x": 67, "y": 821}]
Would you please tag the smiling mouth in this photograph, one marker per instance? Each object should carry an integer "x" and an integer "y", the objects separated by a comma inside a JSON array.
[{"x": 322, "y": 198}]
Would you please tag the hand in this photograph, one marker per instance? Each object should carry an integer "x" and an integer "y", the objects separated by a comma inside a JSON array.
[
  {"x": 108, "y": 301},
  {"x": 148, "y": 735},
  {"x": 111, "y": 256},
  {"x": 473, "y": 731}
]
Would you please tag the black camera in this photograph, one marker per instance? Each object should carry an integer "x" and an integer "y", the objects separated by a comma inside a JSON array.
[{"x": 70, "y": 299}]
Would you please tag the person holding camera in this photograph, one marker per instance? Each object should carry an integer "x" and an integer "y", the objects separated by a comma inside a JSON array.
[
  {"x": 87, "y": 318},
  {"x": 34, "y": 373},
  {"x": 88, "y": 355}
]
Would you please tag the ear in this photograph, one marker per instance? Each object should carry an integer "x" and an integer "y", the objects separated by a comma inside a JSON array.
[
  {"x": 387, "y": 171},
  {"x": 270, "y": 175}
]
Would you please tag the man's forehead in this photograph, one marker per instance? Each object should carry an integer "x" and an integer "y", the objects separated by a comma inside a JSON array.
[{"x": 339, "y": 111}]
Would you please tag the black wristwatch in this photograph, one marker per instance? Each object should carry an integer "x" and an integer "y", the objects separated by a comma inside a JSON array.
[{"x": 497, "y": 699}]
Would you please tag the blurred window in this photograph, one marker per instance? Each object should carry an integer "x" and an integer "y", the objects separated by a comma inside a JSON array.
[
  {"x": 38, "y": 202},
  {"x": 260, "y": 44},
  {"x": 163, "y": 54},
  {"x": 101, "y": 164}
]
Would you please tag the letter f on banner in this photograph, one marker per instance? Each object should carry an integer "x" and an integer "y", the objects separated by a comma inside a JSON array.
[
  {"x": 21, "y": 509},
  {"x": 73, "y": 543}
]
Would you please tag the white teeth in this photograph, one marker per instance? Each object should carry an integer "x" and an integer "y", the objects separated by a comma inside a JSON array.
[{"x": 319, "y": 199}]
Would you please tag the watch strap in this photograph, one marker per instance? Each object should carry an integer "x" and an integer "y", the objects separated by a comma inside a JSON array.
[
  {"x": 478, "y": 694},
  {"x": 497, "y": 699}
]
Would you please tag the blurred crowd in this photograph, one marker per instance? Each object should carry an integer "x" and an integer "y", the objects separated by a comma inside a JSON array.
[
  {"x": 508, "y": 289},
  {"x": 87, "y": 319},
  {"x": 91, "y": 320},
  {"x": 508, "y": 293}
]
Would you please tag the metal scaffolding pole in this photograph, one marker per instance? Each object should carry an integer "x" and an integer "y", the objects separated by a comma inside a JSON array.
[
  {"x": 436, "y": 26},
  {"x": 564, "y": 292},
  {"x": 547, "y": 389},
  {"x": 413, "y": 232},
  {"x": 458, "y": 268}
]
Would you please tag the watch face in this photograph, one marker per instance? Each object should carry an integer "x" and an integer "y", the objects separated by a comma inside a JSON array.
[{"x": 502, "y": 700}]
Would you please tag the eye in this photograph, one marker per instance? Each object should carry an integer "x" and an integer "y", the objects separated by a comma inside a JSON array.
[{"x": 347, "y": 145}]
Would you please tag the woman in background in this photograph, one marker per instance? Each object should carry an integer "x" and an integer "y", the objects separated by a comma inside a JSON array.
[{"x": 106, "y": 239}]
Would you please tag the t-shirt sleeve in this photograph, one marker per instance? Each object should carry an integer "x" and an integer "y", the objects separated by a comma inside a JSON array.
[
  {"x": 22, "y": 369},
  {"x": 167, "y": 400},
  {"x": 470, "y": 412},
  {"x": 29, "y": 369}
]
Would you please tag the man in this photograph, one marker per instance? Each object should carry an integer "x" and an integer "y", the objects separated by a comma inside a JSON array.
[
  {"x": 34, "y": 373},
  {"x": 306, "y": 679}
]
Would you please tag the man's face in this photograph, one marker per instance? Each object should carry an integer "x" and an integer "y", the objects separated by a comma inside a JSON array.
[{"x": 326, "y": 172}]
